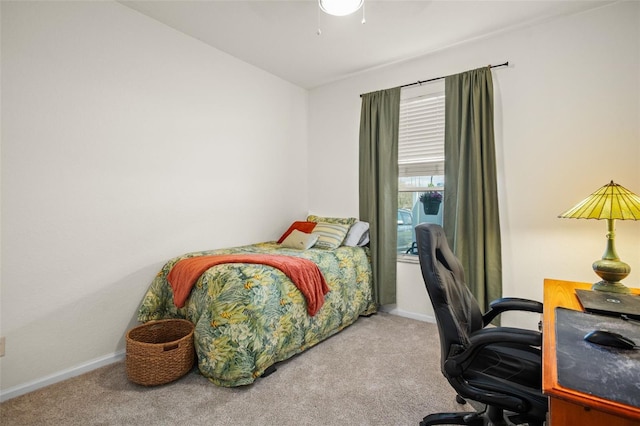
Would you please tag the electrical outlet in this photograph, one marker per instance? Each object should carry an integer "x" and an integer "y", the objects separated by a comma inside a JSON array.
[{"x": 1, "y": 346}]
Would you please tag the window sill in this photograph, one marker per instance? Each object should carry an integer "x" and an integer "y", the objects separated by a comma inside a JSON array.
[{"x": 408, "y": 258}]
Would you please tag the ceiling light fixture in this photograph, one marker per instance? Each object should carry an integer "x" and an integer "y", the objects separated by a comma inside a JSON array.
[{"x": 340, "y": 7}]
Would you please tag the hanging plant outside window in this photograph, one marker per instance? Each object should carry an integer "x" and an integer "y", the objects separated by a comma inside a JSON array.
[{"x": 431, "y": 201}]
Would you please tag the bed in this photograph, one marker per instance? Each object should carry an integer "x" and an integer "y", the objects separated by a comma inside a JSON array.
[{"x": 249, "y": 316}]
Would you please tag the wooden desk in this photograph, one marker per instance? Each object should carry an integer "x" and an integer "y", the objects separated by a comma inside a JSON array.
[{"x": 569, "y": 407}]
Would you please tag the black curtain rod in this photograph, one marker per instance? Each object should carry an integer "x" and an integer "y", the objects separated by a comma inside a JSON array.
[{"x": 506, "y": 64}]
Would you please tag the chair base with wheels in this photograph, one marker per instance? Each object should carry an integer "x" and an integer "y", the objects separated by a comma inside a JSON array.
[{"x": 489, "y": 416}]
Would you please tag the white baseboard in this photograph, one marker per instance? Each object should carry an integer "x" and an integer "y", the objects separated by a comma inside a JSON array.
[
  {"x": 62, "y": 375},
  {"x": 391, "y": 309}
]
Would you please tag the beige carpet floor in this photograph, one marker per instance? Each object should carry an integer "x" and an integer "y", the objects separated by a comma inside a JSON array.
[{"x": 382, "y": 370}]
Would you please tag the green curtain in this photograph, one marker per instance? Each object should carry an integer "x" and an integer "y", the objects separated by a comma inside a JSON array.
[
  {"x": 471, "y": 220},
  {"x": 379, "y": 121}
]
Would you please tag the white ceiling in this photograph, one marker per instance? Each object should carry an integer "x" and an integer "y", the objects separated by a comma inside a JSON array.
[{"x": 281, "y": 36}]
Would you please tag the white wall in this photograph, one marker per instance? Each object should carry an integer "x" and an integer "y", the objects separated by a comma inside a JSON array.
[
  {"x": 125, "y": 143},
  {"x": 567, "y": 122}
]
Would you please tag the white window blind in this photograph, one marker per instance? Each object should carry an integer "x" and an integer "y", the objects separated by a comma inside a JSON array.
[{"x": 421, "y": 136}]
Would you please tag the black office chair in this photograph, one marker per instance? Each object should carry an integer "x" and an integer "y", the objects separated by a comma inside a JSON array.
[{"x": 499, "y": 367}]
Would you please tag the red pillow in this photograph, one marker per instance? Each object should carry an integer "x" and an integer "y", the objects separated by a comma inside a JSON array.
[{"x": 305, "y": 227}]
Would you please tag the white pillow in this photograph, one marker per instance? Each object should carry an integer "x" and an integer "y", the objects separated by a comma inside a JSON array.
[
  {"x": 299, "y": 240},
  {"x": 364, "y": 240},
  {"x": 357, "y": 234}
]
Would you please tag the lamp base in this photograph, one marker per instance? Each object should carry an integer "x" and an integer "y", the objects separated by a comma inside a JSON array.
[
  {"x": 611, "y": 271},
  {"x": 611, "y": 287}
]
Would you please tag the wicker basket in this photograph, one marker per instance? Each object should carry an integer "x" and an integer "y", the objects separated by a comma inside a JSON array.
[{"x": 159, "y": 352}]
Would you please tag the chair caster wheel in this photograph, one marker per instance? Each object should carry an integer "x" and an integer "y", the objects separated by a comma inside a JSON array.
[{"x": 460, "y": 400}]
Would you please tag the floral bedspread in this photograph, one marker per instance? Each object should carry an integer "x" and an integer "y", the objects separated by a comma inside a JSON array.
[{"x": 248, "y": 316}]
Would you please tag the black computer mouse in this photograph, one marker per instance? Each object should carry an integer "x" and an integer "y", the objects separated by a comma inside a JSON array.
[{"x": 609, "y": 338}]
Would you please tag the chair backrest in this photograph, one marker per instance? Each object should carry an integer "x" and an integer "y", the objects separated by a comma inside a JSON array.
[{"x": 457, "y": 311}]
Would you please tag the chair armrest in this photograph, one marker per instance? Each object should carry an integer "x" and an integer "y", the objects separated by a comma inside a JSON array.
[
  {"x": 521, "y": 336},
  {"x": 456, "y": 363},
  {"x": 510, "y": 304}
]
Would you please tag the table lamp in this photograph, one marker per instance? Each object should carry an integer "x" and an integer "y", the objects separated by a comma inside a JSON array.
[{"x": 610, "y": 202}]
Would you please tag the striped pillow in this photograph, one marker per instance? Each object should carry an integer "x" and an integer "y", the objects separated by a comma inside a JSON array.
[{"x": 330, "y": 235}]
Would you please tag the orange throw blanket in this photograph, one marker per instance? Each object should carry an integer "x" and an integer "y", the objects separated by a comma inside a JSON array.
[{"x": 304, "y": 273}]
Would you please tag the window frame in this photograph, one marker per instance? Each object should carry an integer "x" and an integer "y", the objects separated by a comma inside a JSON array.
[{"x": 407, "y": 169}]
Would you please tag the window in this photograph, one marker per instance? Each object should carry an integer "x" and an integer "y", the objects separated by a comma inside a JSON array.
[{"x": 420, "y": 161}]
